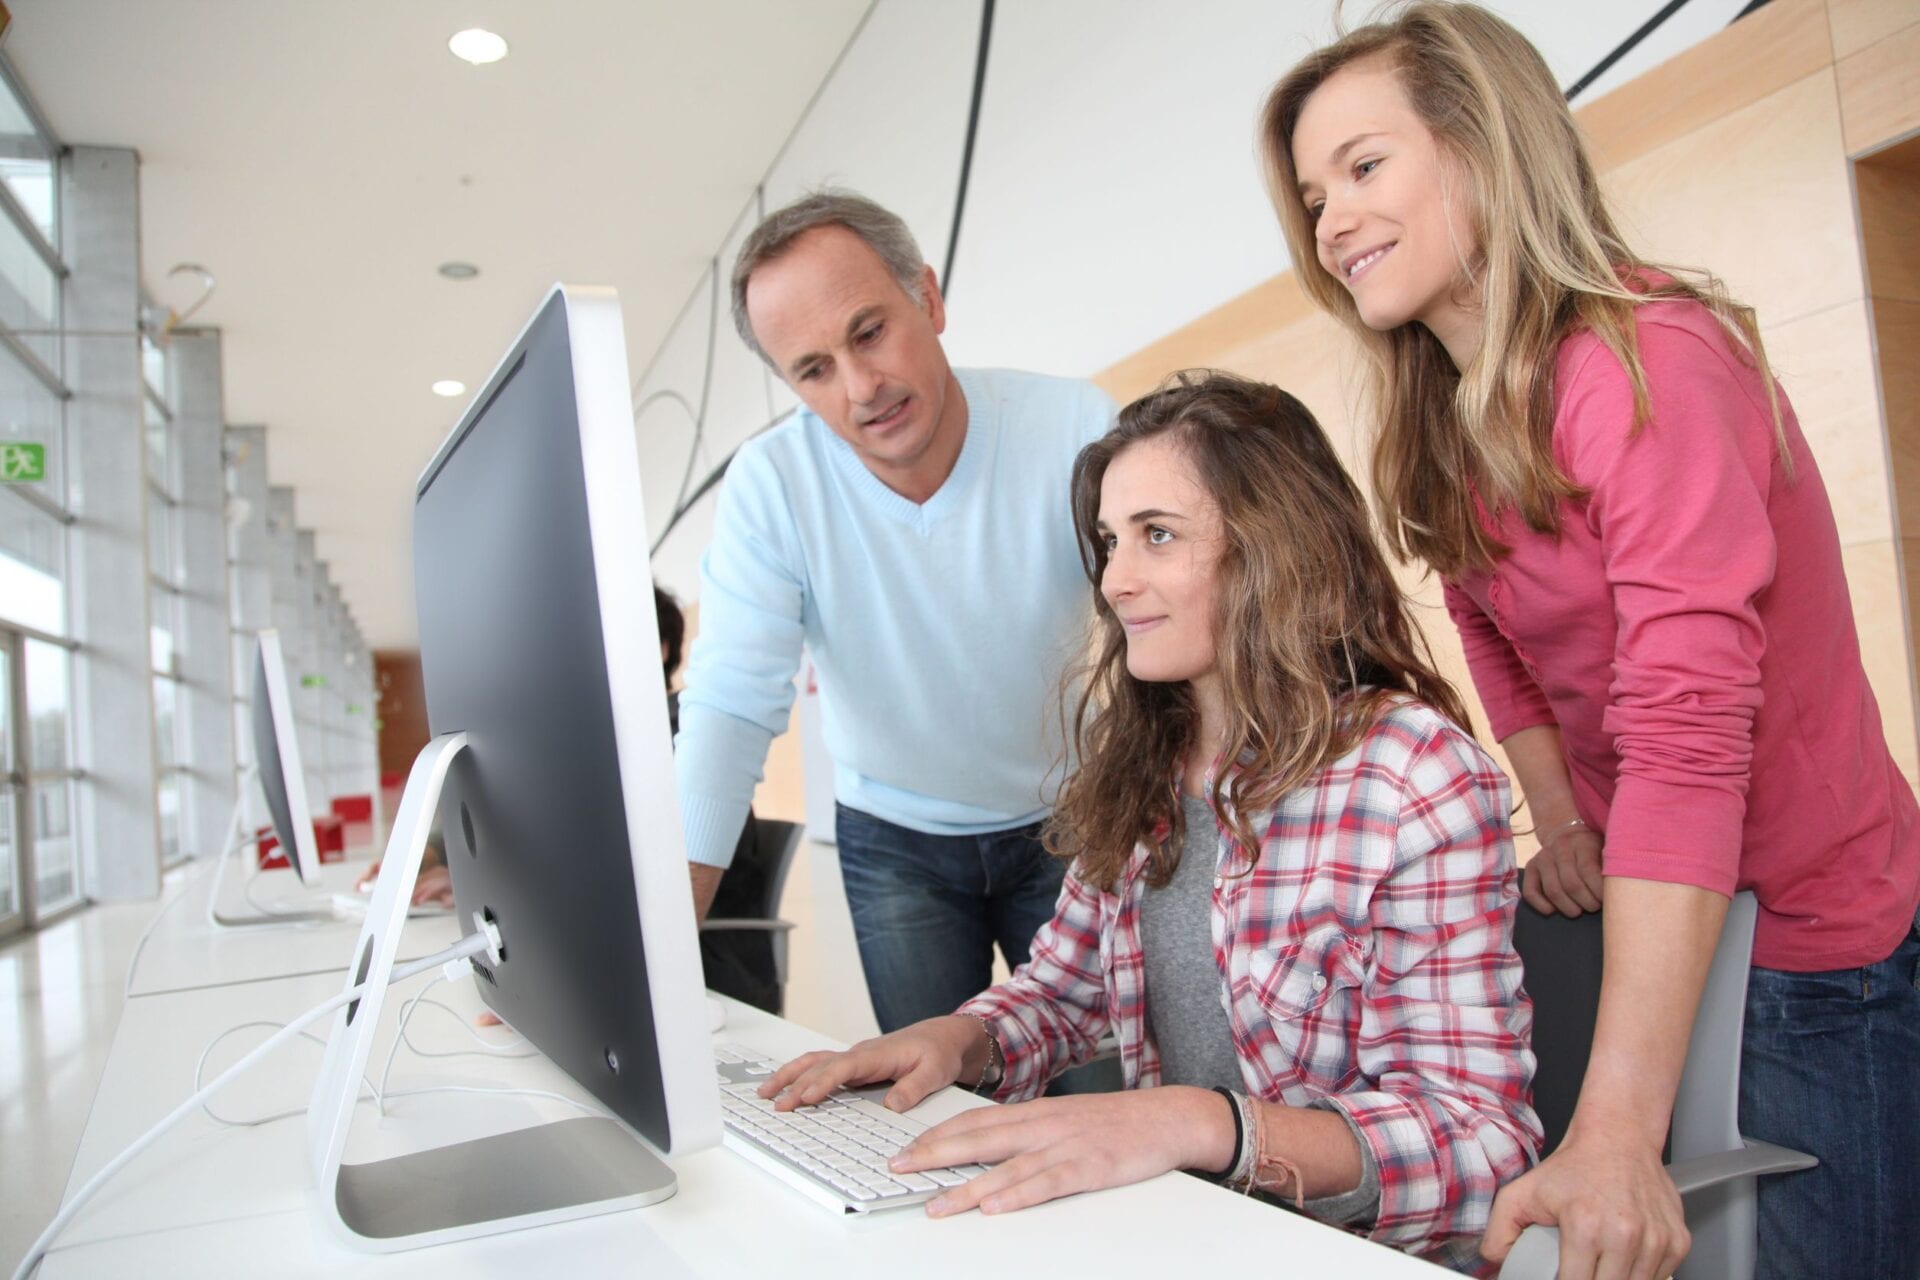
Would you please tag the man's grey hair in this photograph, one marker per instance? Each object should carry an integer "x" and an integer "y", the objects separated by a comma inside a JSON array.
[{"x": 882, "y": 231}]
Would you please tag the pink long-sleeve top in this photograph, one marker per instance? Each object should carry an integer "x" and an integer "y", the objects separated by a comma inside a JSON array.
[{"x": 1690, "y": 633}]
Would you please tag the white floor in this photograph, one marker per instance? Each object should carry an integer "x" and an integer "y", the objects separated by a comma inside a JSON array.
[{"x": 62, "y": 989}]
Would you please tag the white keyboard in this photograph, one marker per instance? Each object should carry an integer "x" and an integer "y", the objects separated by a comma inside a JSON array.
[{"x": 835, "y": 1153}]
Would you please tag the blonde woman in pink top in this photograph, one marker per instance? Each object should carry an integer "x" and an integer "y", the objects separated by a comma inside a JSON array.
[{"x": 1640, "y": 556}]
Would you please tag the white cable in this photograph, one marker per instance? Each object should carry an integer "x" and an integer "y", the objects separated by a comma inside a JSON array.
[
  {"x": 200, "y": 1067},
  {"x": 140, "y": 945},
  {"x": 406, "y": 1013},
  {"x": 471, "y": 945}
]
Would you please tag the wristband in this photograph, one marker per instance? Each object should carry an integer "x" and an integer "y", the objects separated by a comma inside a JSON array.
[{"x": 1239, "y": 1137}]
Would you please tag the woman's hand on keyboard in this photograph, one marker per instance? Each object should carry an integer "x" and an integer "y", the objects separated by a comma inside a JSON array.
[
  {"x": 1055, "y": 1147},
  {"x": 919, "y": 1059}
]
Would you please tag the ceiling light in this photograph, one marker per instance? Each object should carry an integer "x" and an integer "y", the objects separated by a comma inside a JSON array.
[
  {"x": 477, "y": 45},
  {"x": 459, "y": 270},
  {"x": 449, "y": 387}
]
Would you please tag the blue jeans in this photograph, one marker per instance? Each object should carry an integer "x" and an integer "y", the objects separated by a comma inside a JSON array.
[
  {"x": 1831, "y": 1066},
  {"x": 927, "y": 910}
]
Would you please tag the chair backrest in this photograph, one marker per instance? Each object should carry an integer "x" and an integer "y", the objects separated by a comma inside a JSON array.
[
  {"x": 1563, "y": 958},
  {"x": 776, "y": 843}
]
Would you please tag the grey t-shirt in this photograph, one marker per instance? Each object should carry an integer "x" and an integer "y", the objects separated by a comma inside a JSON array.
[{"x": 1187, "y": 1001}]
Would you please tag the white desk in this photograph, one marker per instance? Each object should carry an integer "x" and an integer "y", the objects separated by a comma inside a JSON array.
[
  {"x": 183, "y": 951},
  {"x": 213, "y": 1201}
]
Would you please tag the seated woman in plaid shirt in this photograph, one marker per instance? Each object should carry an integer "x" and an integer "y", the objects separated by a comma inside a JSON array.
[{"x": 1305, "y": 955}]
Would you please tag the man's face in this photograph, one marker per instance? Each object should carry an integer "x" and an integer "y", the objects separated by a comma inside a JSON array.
[{"x": 862, "y": 354}]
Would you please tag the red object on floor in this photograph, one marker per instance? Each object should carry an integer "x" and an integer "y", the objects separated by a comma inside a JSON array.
[
  {"x": 329, "y": 838},
  {"x": 353, "y": 808}
]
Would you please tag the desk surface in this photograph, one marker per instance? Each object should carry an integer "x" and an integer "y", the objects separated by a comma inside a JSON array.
[
  {"x": 210, "y": 1200},
  {"x": 183, "y": 951}
]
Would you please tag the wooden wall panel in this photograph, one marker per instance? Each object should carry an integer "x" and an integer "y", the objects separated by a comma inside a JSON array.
[
  {"x": 1879, "y": 95},
  {"x": 1889, "y": 194},
  {"x": 1859, "y": 23},
  {"x": 1824, "y": 361},
  {"x": 1768, "y": 50},
  {"x": 1760, "y": 197},
  {"x": 1874, "y": 577}
]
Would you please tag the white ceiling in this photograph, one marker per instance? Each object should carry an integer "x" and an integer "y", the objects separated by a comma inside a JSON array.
[{"x": 323, "y": 159}]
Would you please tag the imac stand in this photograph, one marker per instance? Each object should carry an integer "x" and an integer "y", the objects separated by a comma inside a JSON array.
[
  {"x": 551, "y": 1172},
  {"x": 236, "y": 841}
]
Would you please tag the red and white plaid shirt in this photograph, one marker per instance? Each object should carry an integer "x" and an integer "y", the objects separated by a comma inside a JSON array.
[{"x": 1367, "y": 965}]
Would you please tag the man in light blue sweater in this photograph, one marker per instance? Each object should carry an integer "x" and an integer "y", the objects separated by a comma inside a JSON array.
[{"x": 910, "y": 527}]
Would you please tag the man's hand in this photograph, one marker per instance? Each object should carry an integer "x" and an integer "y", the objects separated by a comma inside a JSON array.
[
  {"x": 432, "y": 885},
  {"x": 1565, "y": 875},
  {"x": 1057, "y": 1147},
  {"x": 1616, "y": 1208},
  {"x": 919, "y": 1059}
]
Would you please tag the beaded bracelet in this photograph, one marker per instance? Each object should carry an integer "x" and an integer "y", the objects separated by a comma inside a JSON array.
[{"x": 996, "y": 1057}]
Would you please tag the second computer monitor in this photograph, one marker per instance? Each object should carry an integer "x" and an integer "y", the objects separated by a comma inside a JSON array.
[{"x": 276, "y": 754}]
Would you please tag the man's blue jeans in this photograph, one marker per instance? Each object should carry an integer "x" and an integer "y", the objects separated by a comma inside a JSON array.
[
  {"x": 1831, "y": 1066},
  {"x": 927, "y": 910}
]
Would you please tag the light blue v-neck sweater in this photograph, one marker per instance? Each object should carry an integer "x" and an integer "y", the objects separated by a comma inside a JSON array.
[{"x": 939, "y": 630}]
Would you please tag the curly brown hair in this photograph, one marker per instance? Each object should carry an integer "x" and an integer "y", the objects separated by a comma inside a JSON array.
[{"x": 1313, "y": 638}]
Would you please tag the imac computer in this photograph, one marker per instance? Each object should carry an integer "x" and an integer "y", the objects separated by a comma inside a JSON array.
[
  {"x": 283, "y": 781},
  {"x": 551, "y": 774}
]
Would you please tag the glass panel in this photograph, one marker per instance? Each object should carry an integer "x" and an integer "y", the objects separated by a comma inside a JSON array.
[
  {"x": 30, "y": 414},
  {"x": 160, "y": 634},
  {"x": 165, "y": 695},
  {"x": 26, "y": 164},
  {"x": 170, "y": 818},
  {"x": 32, "y": 566},
  {"x": 59, "y": 880},
  {"x": 156, "y": 423},
  {"x": 9, "y": 858},
  {"x": 49, "y": 673},
  {"x": 153, "y": 366},
  {"x": 6, "y": 708},
  {"x": 29, "y": 294},
  {"x": 160, "y": 554}
]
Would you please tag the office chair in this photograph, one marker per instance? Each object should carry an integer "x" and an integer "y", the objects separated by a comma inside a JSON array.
[
  {"x": 773, "y": 848},
  {"x": 1711, "y": 1164}
]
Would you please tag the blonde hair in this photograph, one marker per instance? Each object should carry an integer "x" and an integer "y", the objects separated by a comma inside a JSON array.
[
  {"x": 1550, "y": 262},
  {"x": 1312, "y": 640}
]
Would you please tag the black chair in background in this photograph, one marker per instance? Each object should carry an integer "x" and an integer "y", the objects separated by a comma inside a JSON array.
[
  {"x": 1710, "y": 1162},
  {"x": 743, "y": 942}
]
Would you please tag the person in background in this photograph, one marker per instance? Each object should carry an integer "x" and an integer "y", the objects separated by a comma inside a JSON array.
[
  {"x": 737, "y": 963},
  {"x": 1293, "y": 886},
  {"x": 1641, "y": 559},
  {"x": 907, "y": 527}
]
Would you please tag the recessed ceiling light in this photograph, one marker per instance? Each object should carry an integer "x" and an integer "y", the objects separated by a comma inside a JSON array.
[
  {"x": 477, "y": 45},
  {"x": 459, "y": 270},
  {"x": 449, "y": 387}
]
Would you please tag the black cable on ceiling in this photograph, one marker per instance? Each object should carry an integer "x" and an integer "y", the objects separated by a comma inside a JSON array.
[
  {"x": 1625, "y": 47},
  {"x": 966, "y": 148}
]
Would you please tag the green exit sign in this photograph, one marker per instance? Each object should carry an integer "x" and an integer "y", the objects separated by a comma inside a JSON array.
[
  {"x": 23, "y": 463},
  {"x": 313, "y": 682}
]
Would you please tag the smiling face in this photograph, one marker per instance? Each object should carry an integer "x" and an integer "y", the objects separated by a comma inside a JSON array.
[
  {"x": 863, "y": 355},
  {"x": 1374, "y": 182},
  {"x": 1163, "y": 536}
]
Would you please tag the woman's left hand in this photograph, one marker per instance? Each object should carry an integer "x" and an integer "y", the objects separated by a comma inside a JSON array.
[{"x": 1059, "y": 1146}]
